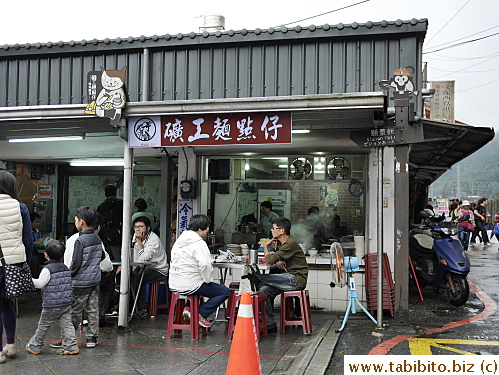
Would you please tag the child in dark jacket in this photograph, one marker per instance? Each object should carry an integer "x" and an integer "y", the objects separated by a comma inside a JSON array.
[{"x": 57, "y": 293}]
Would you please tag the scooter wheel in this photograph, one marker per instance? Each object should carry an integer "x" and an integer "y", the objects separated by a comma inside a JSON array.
[{"x": 461, "y": 291}]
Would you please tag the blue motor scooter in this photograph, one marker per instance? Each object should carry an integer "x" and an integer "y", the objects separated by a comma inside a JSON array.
[{"x": 438, "y": 258}]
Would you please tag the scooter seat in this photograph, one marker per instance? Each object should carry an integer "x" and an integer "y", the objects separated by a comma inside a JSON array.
[{"x": 423, "y": 242}]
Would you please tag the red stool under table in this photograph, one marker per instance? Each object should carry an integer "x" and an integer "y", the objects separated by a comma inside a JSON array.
[
  {"x": 287, "y": 306},
  {"x": 259, "y": 314},
  {"x": 177, "y": 322},
  {"x": 233, "y": 288},
  {"x": 153, "y": 304}
]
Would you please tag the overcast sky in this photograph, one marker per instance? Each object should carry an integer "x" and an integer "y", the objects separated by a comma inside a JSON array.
[{"x": 474, "y": 66}]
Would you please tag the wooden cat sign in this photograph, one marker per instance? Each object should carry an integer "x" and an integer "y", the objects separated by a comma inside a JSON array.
[{"x": 106, "y": 93}]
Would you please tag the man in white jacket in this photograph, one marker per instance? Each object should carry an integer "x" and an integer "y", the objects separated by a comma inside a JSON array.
[{"x": 191, "y": 269}]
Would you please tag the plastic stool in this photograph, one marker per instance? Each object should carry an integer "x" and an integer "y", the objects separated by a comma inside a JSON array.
[
  {"x": 153, "y": 304},
  {"x": 233, "y": 288},
  {"x": 259, "y": 314},
  {"x": 180, "y": 324},
  {"x": 287, "y": 306}
]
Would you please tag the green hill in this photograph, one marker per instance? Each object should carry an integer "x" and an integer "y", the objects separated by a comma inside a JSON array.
[{"x": 473, "y": 181}]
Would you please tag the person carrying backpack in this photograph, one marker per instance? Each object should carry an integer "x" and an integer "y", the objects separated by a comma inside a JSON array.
[{"x": 111, "y": 211}]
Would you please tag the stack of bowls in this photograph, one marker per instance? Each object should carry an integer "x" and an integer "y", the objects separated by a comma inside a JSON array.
[
  {"x": 244, "y": 249},
  {"x": 313, "y": 252},
  {"x": 234, "y": 249}
]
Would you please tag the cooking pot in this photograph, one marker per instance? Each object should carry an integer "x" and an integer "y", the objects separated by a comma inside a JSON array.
[{"x": 246, "y": 229}]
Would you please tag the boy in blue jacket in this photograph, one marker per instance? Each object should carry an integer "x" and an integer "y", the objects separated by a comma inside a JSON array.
[{"x": 57, "y": 293}]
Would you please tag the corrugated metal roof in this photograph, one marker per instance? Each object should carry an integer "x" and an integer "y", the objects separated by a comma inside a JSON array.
[
  {"x": 258, "y": 63},
  {"x": 230, "y": 36}
]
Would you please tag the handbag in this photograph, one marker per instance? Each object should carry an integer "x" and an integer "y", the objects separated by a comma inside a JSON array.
[
  {"x": 18, "y": 280},
  {"x": 496, "y": 228},
  {"x": 471, "y": 227}
]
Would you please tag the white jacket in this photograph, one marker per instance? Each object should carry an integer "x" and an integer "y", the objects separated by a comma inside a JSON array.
[
  {"x": 11, "y": 230},
  {"x": 191, "y": 263}
]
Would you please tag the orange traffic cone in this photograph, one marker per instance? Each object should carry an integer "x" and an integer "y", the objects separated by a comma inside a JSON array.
[{"x": 244, "y": 358}]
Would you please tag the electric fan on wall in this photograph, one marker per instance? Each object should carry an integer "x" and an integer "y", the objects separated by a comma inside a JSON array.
[
  {"x": 338, "y": 169},
  {"x": 300, "y": 169}
]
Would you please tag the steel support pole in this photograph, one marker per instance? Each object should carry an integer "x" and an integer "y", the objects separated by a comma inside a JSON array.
[
  {"x": 458, "y": 195},
  {"x": 125, "y": 247},
  {"x": 401, "y": 239},
  {"x": 379, "y": 312}
]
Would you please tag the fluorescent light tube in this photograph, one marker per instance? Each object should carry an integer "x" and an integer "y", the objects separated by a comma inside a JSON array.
[
  {"x": 300, "y": 131},
  {"x": 47, "y": 139},
  {"x": 98, "y": 163}
]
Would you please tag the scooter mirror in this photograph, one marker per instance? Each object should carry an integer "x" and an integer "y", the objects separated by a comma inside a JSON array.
[{"x": 425, "y": 214}]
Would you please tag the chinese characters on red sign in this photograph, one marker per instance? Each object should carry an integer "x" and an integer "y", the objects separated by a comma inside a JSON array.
[{"x": 206, "y": 130}]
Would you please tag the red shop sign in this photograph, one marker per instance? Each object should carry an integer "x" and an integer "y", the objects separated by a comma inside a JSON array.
[
  {"x": 229, "y": 129},
  {"x": 210, "y": 129}
]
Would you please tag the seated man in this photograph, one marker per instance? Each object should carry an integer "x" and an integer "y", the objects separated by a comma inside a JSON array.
[
  {"x": 191, "y": 269},
  {"x": 289, "y": 257},
  {"x": 147, "y": 247}
]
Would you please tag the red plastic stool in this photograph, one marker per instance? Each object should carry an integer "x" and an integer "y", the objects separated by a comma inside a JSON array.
[
  {"x": 259, "y": 314},
  {"x": 233, "y": 288},
  {"x": 177, "y": 322},
  {"x": 287, "y": 306},
  {"x": 153, "y": 304}
]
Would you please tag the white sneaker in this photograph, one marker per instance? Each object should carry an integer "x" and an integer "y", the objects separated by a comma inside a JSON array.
[
  {"x": 186, "y": 314},
  {"x": 472, "y": 244},
  {"x": 488, "y": 244}
]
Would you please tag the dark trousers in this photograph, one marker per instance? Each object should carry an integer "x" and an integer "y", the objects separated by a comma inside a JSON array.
[
  {"x": 149, "y": 277},
  {"x": 106, "y": 292},
  {"x": 480, "y": 228}
]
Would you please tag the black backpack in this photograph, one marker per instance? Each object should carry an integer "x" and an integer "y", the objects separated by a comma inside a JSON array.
[{"x": 111, "y": 228}]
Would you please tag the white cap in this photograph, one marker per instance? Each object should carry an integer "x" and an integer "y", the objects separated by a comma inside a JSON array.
[{"x": 465, "y": 203}]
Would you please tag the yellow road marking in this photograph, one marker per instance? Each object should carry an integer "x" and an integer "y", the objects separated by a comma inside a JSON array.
[{"x": 419, "y": 346}]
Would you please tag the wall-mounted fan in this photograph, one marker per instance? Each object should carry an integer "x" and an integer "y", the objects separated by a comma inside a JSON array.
[
  {"x": 338, "y": 168},
  {"x": 301, "y": 169}
]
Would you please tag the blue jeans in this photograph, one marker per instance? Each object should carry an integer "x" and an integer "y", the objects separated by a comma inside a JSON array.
[
  {"x": 464, "y": 236},
  {"x": 217, "y": 294},
  {"x": 272, "y": 285}
]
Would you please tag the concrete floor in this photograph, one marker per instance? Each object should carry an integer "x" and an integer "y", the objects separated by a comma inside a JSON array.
[{"x": 144, "y": 349}]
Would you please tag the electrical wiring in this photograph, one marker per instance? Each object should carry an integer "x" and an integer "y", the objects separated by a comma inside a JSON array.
[
  {"x": 322, "y": 14},
  {"x": 476, "y": 87},
  {"x": 468, "y": 36},
  {"x": 471, "y": 71},
  {"x": 462, "y": 43},
  {"x": 451, "y": 59},
  {"x": 443, "y": 27},
  {"x": 457, "y": 71}
]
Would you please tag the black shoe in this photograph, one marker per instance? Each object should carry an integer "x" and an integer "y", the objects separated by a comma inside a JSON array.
[
  {"x": 143, "y": 314},
  {"x": 105, "y": 323},
  {"x": 272, "y": 328}
]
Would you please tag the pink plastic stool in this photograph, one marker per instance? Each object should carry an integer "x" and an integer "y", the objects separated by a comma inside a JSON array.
[
  {"x": 259, "y": 314},
  {"x": 177, "y": 322},
  {"x": 287, "y": 306},
  {"x": 153, "y": 304}
]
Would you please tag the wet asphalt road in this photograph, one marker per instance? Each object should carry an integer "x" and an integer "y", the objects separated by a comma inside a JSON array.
[{"x": 436, "y": 327}]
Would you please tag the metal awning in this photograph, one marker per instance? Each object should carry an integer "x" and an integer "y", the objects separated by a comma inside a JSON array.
[{"x": 444, "y": 145}]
